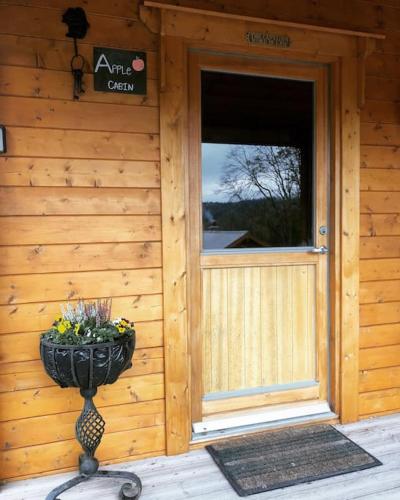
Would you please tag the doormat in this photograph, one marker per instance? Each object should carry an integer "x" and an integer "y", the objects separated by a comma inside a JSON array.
[{"x": 271, "y": 460}]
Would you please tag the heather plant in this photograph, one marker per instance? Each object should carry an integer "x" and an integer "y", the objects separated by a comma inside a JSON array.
[{"x": 87, "y": 323}]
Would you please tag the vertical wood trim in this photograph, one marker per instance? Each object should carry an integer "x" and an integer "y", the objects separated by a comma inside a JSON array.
[
  {"x": 194, "y": 243},
  {"x": 173, "y": 125},
  {"x": 334, "y": 240},
  {"x": 350, "y": 222}
]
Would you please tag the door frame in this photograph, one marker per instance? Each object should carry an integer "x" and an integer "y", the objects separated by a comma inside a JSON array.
[
  {"x": 182, "y": 29},
  {"x": 198, "y": 261}
]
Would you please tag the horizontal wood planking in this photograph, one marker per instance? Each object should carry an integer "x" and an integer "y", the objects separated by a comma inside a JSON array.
[
  {"x": 379, "y": 335},
  {"x": 79, "y": 201},
  {"x": 53, "y": 400},
  {"x": 379, "y": 291},
  {"x": 380, "y": 134},
  {"x": 72, "y": 115},
  {"x": 380, "y": 314},
  {"x": 117, "y": 8},
  {"x": 382, "y": 64},
  {"x": 82, "y": 144},
  {"x": 379, "y": 202},
  {"x": 38, "y": 316},
  {"x": 104, "y": 31},
  {"x": 56, "y": 55},
  {"x": 379, "y": 401},
  {"x": 379, "y": 357},
  {"x": 380, "y": 156},
  {"x": 61, "y": 427},
  {"x": 66, "y": 286},
  {"x": 378, "y": 179},
  {"x": 388, "y": 48},
  {"x": 379, "y": 269},
  {"x": 52, "y": 456},
  {"x": 46, "y": 172},
  {"x": 79, "y": 229},
  {"x": 42, "y": 259},
  {"x": 55, "y": 84},
  {"x": 23, "y": 347},
  {"x": 378, "y": 111},
  {"x": 380, "y": 247},
  {"x": 104, "y": 151},
  {"x": 380, "y": 225},
  {"x": 381, "y": 378},
  {"x": 382, "y": 88}
]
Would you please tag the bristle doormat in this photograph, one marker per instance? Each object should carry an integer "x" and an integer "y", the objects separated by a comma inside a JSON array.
[{"x": 271, "y": 460}]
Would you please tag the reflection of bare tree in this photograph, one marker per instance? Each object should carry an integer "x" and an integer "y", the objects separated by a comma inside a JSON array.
[{"x": 272, "y": 174}]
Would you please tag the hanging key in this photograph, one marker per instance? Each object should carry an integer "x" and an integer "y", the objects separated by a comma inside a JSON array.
[
  {"x": 78, "y": 89},
  {"x": 77, "y": 65}
]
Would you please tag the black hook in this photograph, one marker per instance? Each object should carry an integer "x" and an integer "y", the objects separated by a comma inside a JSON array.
[{"x": 75, "y": 19}]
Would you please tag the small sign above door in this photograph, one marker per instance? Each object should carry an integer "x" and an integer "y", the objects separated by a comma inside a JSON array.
[
  {"x": 266, "y": 38},
  {"x": 121, "y": 71}
]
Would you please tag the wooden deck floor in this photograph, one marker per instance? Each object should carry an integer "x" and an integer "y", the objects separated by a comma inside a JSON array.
[{"x": 195, "y": 476}]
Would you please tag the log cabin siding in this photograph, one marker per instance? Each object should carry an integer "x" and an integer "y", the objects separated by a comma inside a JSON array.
[{"x": 80, "y": 217}]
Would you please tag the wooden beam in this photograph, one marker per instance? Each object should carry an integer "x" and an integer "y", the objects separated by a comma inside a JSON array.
[
  {"x": 349, "y": 240},
  {"x": 287, "y": 24},
  {"x": 173, "y": 160}
]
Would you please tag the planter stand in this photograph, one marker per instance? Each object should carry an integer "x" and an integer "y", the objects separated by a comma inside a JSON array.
[{"x": 89, "y": 429}]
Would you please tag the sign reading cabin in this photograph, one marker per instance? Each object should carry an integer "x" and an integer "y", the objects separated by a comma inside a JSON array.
[{"x": 119, "y": 71}]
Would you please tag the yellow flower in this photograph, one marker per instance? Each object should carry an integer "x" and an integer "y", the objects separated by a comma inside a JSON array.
[
  {"x": 61, "y": 328},
  {"x": 58, "y": 319},
  {"x": 76, "y": 328},
  {"x": 121, "y": 329},
  {"x": 67, "y": 324}
]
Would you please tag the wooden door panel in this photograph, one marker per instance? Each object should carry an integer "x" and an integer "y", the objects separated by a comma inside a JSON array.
[{"x": 258, "y": 327}]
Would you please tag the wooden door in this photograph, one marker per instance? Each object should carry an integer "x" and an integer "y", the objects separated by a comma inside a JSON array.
[{"x": 258, "y": 233}]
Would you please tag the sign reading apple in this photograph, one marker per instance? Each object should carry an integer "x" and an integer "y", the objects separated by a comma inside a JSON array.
[{"x": 121, "y": 71}]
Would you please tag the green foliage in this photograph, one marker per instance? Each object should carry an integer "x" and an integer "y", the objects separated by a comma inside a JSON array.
[{"x": 87, "y": 323}]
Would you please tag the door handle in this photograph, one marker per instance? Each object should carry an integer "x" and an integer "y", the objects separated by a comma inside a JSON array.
[{"x": 322, "y": 249}]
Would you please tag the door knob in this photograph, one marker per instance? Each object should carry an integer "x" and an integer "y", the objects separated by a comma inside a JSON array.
[{"x": 322, "y": 249}]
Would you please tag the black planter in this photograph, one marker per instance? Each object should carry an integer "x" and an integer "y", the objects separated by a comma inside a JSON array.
[{"x": 88, "y": 367}]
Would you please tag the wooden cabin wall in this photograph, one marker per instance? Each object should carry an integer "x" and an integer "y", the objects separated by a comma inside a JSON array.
[{"x": 80, "y": 217}]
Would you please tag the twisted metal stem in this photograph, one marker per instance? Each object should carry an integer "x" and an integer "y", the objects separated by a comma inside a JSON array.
[{"x": 89, "y": 430}]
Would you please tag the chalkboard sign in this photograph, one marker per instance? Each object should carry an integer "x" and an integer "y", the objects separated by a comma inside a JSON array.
[{"x": 121, "y": 71}]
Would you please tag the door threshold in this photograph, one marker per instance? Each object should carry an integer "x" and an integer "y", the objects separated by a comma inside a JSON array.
[
  {"x": 261, "y": 415},
  {"x": 198, "y": 437}
]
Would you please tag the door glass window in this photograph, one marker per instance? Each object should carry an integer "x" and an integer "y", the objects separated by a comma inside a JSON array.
[{"x": 257, "y": 161}]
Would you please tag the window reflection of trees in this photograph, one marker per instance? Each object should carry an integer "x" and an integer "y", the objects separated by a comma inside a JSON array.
[{"x": 264, "y": 187}]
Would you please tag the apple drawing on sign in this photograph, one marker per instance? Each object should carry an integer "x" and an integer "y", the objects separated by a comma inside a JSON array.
[{"x": 138, "y": 64}]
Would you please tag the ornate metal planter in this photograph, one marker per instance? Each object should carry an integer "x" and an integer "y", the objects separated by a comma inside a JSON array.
[{"x": 87, "y": 367}]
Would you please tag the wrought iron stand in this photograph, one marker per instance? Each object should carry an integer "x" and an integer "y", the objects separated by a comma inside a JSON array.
[{"x": 89, "y": 430}]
